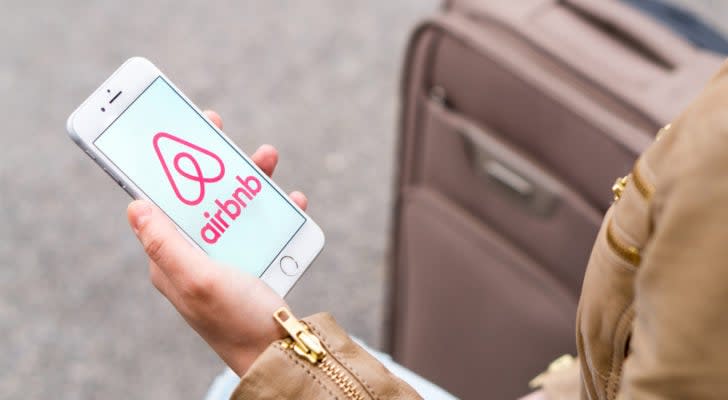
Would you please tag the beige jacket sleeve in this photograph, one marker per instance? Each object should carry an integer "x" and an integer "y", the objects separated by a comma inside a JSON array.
[
  {"x": 679, "y": 345},
  {"x": 346, "y": 372}
]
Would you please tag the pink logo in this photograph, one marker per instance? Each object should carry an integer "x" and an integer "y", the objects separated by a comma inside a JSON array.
[{"x": 196, "y": 175}]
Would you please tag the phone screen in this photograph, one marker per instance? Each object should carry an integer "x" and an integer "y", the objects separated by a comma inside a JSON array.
[{"x": 199, "y": 180}]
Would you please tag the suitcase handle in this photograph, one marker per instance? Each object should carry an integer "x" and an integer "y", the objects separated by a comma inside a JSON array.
[
  {"x": 634, "y": 29},
  {"x": 522, "y": 181}
]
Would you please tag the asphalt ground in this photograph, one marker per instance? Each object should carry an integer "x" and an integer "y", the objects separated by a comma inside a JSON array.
[{"x": 318, "y": 79}]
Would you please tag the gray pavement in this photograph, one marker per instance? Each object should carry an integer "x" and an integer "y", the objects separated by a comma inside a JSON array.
[{"x": 317, "y": 78}]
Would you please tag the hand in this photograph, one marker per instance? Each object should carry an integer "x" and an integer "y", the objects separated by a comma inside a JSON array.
[{"x": 231, "y": 310}]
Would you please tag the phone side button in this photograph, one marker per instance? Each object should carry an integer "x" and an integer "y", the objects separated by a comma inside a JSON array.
[
  {"x": 120, "y": 183},
  {"x": 126, "y": 189},
  {"x": 289, "y": 266}
]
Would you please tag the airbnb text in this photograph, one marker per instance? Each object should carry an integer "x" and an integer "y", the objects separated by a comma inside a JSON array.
[{"x": 229, "y": 210}]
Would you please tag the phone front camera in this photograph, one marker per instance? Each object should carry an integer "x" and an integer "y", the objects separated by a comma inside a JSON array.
[{"x": 103, "y": 109}]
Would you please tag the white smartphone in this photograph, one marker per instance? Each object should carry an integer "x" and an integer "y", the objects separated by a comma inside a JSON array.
[{"x": 157, "y": 145}]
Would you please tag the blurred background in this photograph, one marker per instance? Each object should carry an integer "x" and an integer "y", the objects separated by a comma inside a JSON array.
[{"x": 318, "y": 79}]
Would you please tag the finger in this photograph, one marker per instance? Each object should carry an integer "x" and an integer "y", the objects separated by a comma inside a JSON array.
[
  {"x": 161, "y": 282},
  {"x": 214, "y": 117},
  {"x": 167, "y": 288},
  {"x": 266, "y": 158},
  {"x": 300, "y": 199},
  {"x": 164, "y": 245}
]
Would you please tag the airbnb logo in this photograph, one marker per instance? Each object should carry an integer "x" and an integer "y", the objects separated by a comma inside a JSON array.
[
  {"x": 228, "y": 210},
  {"x": 231, "y": 208},
  {"x": 196, "y": 175}
]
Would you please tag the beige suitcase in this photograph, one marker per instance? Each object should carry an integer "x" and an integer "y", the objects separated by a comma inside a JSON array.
[{"x": 517, "y": 116}]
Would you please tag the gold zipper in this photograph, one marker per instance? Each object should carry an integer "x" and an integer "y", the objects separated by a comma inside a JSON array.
[
  {"x": 640, "y": 182},
  {"x": 307, "y": 346},
  {"x": 303, "y": 342},
  {"x": 628, "y": 253},
  {"x": 344, "y": 382},
  {"x": 619, "y": 185},
  {"x": 644, "y": 188}
]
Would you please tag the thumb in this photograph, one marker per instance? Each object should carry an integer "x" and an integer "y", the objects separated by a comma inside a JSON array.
[{"x": 164, "y": 245}]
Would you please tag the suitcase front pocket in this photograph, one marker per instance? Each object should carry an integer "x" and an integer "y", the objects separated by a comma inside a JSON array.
[
  {"x": 483, "y": 174},
  {"x": 481, "y": 293}
]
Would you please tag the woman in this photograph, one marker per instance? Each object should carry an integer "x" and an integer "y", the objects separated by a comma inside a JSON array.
[{"x": 650, "y": 323}]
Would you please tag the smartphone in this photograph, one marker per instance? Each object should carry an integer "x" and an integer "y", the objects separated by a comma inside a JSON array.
[{"x": 157, "y": 145}]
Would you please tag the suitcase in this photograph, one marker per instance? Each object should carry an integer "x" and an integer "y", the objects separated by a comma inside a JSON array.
[{"x": 516, "y": 118}]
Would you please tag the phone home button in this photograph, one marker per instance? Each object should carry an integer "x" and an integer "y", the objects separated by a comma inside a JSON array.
[{"x": 289, "y": 266}]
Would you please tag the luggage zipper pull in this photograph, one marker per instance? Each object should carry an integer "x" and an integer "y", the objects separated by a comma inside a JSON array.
[{"x": 304, "y": 343}]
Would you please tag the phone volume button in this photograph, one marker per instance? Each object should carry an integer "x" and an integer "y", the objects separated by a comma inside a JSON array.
[
  {"x": 129, "y": 192},
  {"x": 120, "y": 183},
  {"x": 111, "y": 174},
  {"x": 90, "y": 154}
]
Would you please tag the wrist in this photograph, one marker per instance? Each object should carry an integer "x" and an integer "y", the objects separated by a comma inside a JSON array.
[
  {"x": 247, "y": 351},
  {"x": 538, "y": 395}
]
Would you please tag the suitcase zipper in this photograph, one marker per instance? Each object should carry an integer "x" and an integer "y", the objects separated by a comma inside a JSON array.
[{"x": 307, "y": 346}]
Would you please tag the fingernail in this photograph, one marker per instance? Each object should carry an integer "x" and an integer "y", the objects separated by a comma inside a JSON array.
[{"x": 140, "y": 212}]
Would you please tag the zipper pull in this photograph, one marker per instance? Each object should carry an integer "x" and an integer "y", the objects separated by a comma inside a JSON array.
[
  {"x": 304, "y": 342},
  {"x": 619, "y": 185}
]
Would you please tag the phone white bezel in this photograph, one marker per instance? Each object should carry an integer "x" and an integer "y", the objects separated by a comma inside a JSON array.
[{"x": 88, "y": 122}]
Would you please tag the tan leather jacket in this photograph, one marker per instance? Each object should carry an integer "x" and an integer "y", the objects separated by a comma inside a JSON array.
[
  {"x": 652, "y": 320},
  {"x": 339, "y": 370}
]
